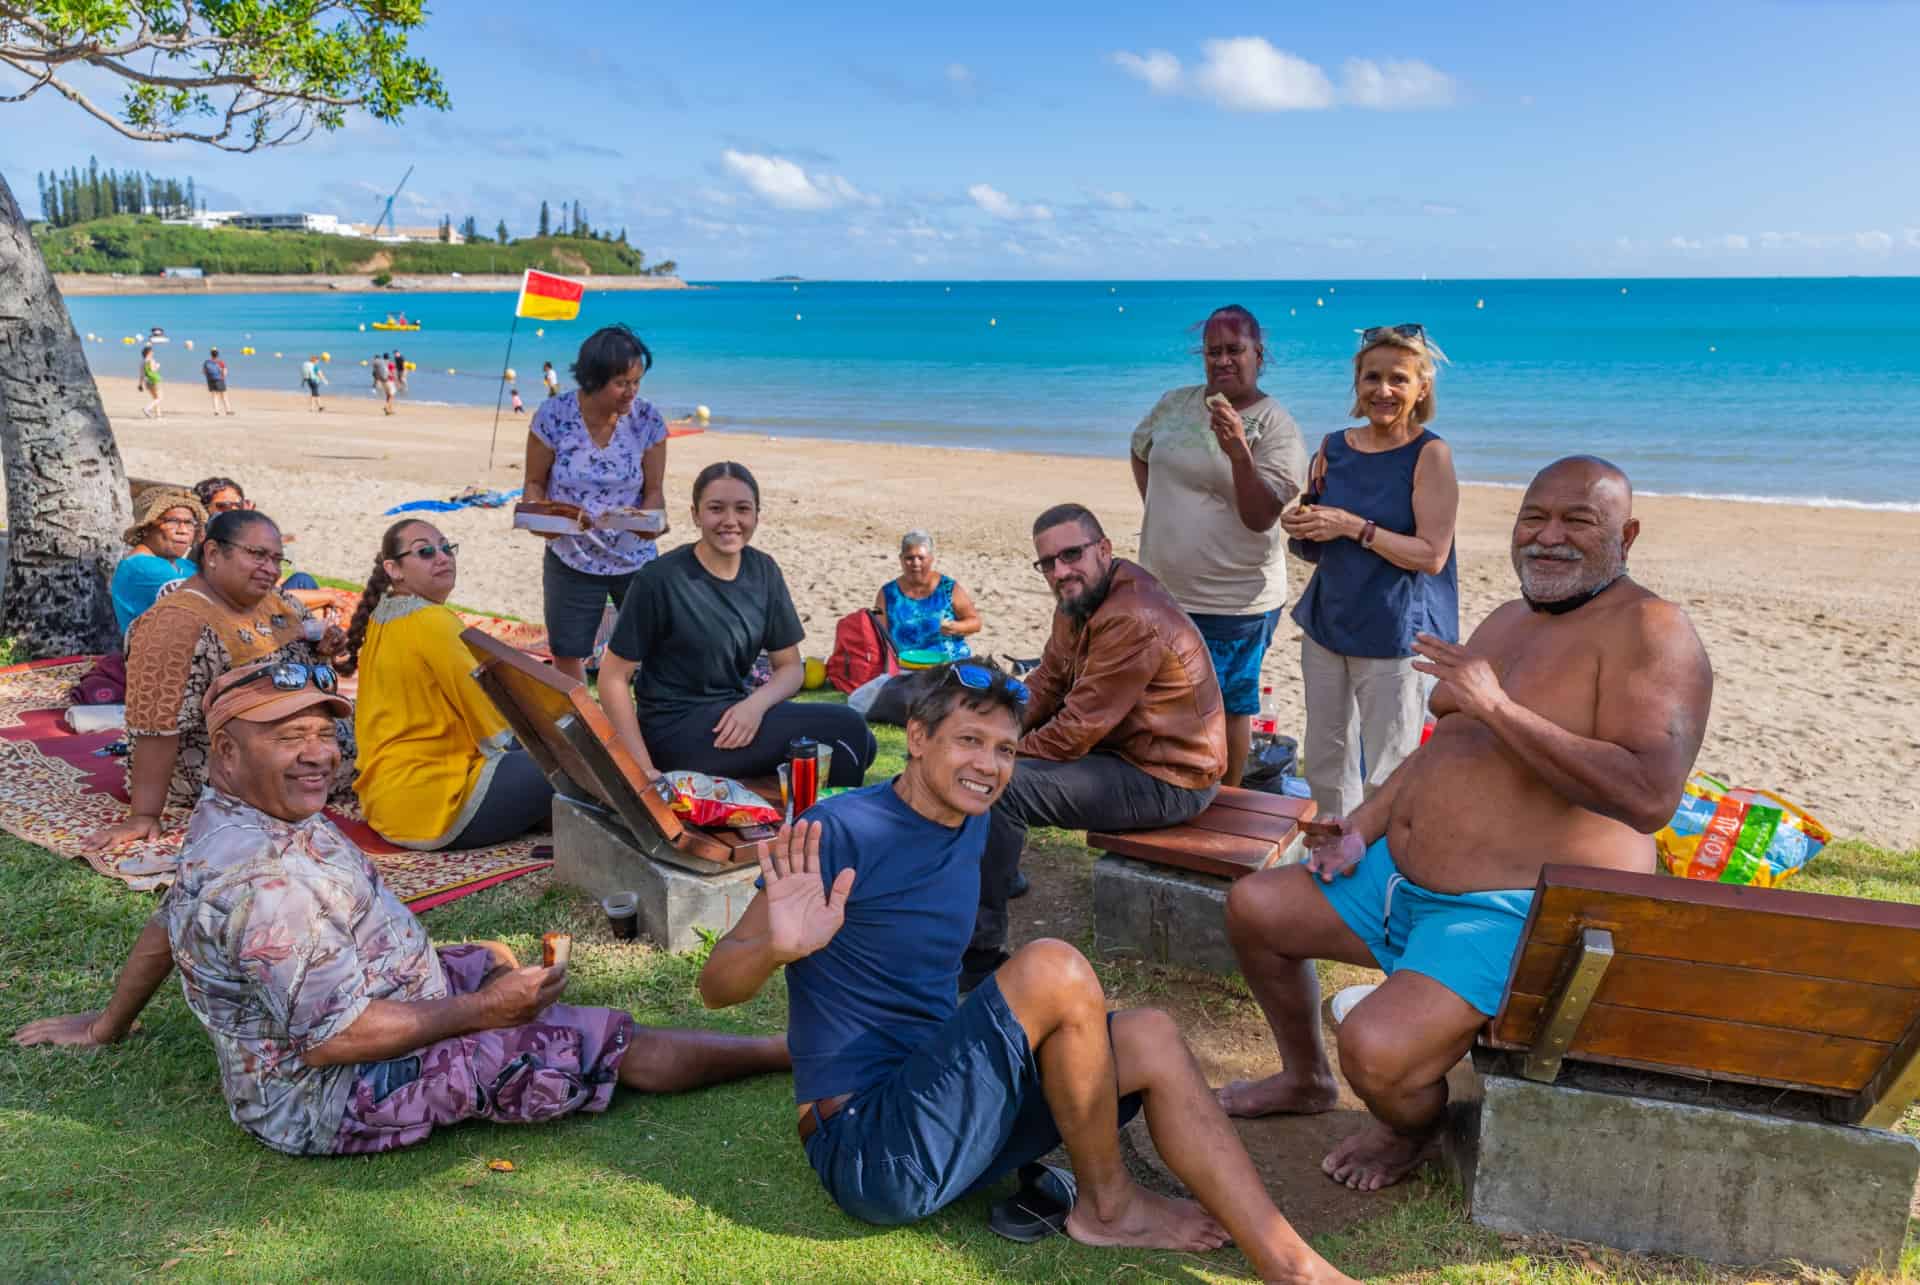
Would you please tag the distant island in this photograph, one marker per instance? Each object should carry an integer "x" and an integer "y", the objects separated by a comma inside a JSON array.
[
  {"x": 138, "y": 253},
  {"x": 781, "y": 280}
]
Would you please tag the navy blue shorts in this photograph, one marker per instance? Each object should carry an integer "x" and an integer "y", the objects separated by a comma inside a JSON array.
[
  {"x": 963, "y": 1111},
  {"x": 1238, "y": 645}
]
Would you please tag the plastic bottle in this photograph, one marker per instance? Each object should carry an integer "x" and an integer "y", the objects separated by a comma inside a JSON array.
[{"x": 1267, "y": 721}]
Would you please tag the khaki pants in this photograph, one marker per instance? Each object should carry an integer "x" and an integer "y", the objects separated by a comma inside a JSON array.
[{"x": 1360, "y": 711}]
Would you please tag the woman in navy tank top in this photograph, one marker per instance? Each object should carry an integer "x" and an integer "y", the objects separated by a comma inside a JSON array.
[{"x": 1377, "y": 523}]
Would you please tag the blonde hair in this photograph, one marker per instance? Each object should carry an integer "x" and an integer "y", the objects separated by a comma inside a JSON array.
[{"x": 1418, "y": 346}]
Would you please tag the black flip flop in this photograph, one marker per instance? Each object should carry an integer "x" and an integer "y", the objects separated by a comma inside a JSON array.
[{"x": 1039, "y": 1209}]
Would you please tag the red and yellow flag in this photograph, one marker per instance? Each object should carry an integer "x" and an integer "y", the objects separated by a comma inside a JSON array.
[{"x": 549, "y": 298}]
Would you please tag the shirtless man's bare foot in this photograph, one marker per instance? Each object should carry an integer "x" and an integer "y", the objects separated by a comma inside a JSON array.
[
  {"x": 1280, "y": 1094},
  {"x": 1377, "y": 1157},
  {"x": 1148, "y": 1221}
]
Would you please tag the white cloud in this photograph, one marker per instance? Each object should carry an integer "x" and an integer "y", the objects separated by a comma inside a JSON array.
[
  {"x": 1396, "y": 85},
  {"x": 1001, "y": 206},
  {"x": 1247, "y": 74},
  {"x": 1735, "y": 241},
  {"x": 958, "y": 73},
  {"x": 1684, "y": 243},
  {"x": 1873, "y": 242},
  {"x": 1117, "y": 200},
  {"x": 1158, "y": 68},
  {"x": 783, "y": 183}
]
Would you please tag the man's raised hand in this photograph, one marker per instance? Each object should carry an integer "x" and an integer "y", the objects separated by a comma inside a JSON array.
[{"x": 802, "y": 916}]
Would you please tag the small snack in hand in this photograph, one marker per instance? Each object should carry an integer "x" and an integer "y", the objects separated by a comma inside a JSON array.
[
  {"x": 1217, "y": 399},
  {"x": 1323, "y": 829},
  {"x": 556, "y": 949},
  {"x": 549, "y": 517},
  {"x": 627, "y": 518}
]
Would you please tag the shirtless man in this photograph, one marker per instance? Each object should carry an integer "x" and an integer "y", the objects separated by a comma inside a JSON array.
[{"x": 1566, "y": 727}]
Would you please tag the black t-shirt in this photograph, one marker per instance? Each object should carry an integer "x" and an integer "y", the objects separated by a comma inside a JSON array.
[{"x": 695, "y": 636}]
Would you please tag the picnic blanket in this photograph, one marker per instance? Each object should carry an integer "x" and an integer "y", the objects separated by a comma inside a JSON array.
[
  {"x": 56, "y": 787},
  {"x": 471, "y": 498}
]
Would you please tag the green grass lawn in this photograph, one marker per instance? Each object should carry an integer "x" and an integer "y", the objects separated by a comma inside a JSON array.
[{"x": 123, "y": 1163}]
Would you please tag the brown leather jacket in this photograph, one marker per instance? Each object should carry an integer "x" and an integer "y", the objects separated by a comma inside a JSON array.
[{"x": 1135, "y": 680}]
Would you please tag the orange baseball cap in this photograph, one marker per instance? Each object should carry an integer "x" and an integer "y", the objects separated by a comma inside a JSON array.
[{"x": 245, "y": 694}]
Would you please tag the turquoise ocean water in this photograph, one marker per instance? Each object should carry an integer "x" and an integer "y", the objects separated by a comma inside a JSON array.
[{"x": 1776, "y": 389}]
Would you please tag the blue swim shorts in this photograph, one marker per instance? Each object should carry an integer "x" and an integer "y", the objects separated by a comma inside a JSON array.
[
  {"x": 963, "y": 1111},
  {"x": 1238, "y": 645},
  {"x": 1465, "y": 941}
]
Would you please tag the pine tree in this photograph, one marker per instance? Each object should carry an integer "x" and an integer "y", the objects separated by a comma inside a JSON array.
[
  {"x": 500, "y": 232},
  {"x": 546, "y": 221}
]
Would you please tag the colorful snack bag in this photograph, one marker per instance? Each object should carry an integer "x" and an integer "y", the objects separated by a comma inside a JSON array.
[
  {"x": 1741, "y": 836},
  {"x": 719, "y": 801}
]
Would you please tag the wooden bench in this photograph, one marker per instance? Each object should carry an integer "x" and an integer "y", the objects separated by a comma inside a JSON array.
[
  {"x": 1160, "y": 895},
  {"x": 567, "y": 733}
]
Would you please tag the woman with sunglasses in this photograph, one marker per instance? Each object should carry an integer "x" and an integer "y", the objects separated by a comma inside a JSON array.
[
  {"x": 223, "y": 495},
  {"x": 1215, "y": 464},
  {"x": 601, "y": 446},
  {"x": 1377, "y": 521},
  {"x": 438, "y": 766},
  {"x": 230, "y": 614},
  {"x": 166, "y": 522},
  {"x": 692, "y": 626}
]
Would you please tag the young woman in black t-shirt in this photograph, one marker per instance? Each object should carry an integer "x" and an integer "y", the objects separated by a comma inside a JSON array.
[{"x": 693, "y": 623}]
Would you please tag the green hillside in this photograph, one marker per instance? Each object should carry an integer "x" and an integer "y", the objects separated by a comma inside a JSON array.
[{"x": 141, "y": 244}]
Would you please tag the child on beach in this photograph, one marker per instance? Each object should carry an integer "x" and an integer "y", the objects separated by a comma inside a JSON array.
[
  {"x": 519, "y": 407},
  {"x": 551, "y": 379}
]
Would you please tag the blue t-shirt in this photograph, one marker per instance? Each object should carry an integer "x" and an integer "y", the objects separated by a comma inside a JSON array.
[
  {"x": 137, "y": 581},
  {"x": 886, "y": 982}
]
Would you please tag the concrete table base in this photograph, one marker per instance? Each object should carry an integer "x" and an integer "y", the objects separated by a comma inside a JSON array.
[
  {"x": 594, "y": 852},
  {"x": 1164, "y": 916},
  {"x": 1652, "y": 1174}
]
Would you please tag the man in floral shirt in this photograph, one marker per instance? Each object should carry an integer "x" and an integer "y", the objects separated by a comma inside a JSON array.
[{"x": 338, "y": 1026}]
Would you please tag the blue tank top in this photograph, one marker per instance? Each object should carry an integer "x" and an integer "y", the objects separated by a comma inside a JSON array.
[
  {"x": 1358, "y": 603},
  {"x": 915, "y": 623}
]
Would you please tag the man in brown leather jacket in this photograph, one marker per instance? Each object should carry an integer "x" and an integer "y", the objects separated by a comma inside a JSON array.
[{"x": 1125, "y": 729}]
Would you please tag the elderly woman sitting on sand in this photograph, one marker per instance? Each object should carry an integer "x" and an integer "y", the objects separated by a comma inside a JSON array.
[
  {"x": 166, "y": 521},
  {"x": 230, "y": 614},
  {"x": 926, "y": 612},
  {"x": 438, "y": 766}
]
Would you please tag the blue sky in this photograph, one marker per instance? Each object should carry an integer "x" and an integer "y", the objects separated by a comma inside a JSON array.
[{"x": 1126, "y": 140}]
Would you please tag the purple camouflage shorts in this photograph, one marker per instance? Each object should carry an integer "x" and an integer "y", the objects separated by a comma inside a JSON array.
[{"x": 567, "y": 1061}]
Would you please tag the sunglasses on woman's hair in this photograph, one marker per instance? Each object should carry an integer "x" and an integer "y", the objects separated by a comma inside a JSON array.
[
  {"x": 978, "y": 678},
  {"x": 1406, "y": 330},
  {"x": 426, "y": 551},
  {"x": 291, "y": 676}
]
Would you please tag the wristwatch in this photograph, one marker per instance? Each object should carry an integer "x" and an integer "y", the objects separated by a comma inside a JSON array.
[{"x": 1366, "y": 535}]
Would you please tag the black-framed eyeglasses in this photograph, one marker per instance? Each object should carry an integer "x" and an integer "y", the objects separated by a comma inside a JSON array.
[
  {"x": 978, "y": 678},
  {"x": 1406, "y": 330},
  {"x": 258, "y": 553},
  {"x": 291, "y": 676},
  {"x": 1070, "y": 555},
  {"x": 426, "y": 551}
]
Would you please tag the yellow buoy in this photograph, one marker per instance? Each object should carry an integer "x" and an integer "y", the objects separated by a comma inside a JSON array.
[
  {"x": 326, "y": 356},
  {"x": 816, "y": 674},
  {"x": 702, "y": 414},
  {"x": 363, "y": 361},
  {"x": 411, "y": 366},
  {"x": 511, "y": 375},
  {"x": 452, "y": 371},
  {"x": 993, "y": 321},
  {"x": 246, "y": 352},
  {"x": 126, "y": 339},
  {"x": 1319, "y": 303}
]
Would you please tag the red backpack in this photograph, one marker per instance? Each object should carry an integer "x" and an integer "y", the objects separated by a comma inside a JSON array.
[{"x": 862, "y": 651}]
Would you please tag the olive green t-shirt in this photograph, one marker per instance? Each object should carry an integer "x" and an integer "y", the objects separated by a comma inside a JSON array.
[{"x": 1193, "y": 540}]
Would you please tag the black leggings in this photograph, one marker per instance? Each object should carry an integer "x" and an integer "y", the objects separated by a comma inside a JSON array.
[
  {"x": 518, "y": 799},
  {"x": 684, "y": 741}
]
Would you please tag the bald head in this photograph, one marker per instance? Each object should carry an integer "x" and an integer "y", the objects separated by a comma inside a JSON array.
[
  {"x": 1593, "y": 474},
  {"x": 1575, "y": 526}
]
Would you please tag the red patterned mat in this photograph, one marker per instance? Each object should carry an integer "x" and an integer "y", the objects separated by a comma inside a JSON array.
[{"x": 55, "y": 787}]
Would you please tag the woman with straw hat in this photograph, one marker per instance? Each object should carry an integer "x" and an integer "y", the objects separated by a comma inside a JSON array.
[{"x": 166, "y": 522}]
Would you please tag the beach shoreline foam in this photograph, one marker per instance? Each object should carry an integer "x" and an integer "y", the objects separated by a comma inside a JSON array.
[
  {"x": 1806, "y": 612},
  {"x": 94, "y": 283}
]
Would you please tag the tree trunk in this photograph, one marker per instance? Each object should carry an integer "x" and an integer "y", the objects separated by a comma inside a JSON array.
[{"x": 67, "y": 501}]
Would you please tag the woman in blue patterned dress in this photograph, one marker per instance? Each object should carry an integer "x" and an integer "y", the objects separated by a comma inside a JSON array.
[
  {"x": 924, "y": 610},
  {"x": 602, "y": 446}
]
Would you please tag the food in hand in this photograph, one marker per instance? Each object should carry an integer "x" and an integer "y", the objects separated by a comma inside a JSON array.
[
  {"x": 1323, "y": 829},
  {"x": 556, "y": 949},
  {"x": 549, "y": 517},
  {"x": 638, "y": 521},
  {"x": 1217, "y": 399}
]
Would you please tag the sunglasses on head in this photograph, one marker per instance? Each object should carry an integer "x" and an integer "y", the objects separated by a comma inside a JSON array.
[
  {"x": 426, "y": 551},
  {"x": 978, "y": 678},
  {"x": 1406, "y": 330},
  {"x": 1070, "y": 555},
  {"x": 291, "y": 676}
]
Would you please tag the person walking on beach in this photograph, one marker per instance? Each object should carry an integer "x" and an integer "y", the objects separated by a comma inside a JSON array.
[
  {"x": 149, "y": 383},
  {"x": 551, "y": 379},
  {"x": 1377, "y": 523},
  {"x": 399, "y": 370},
  {"x": 383, "y": 380},
  {"x": 216, "y": 372},
  {"x": 1215, "y": 464},
  {"x": 312, "y": 376}
]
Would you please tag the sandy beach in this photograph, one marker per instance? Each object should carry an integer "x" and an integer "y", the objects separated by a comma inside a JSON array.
[
  {"x": 1815, "y": 644},
  {"x": 94, "y": 283}
]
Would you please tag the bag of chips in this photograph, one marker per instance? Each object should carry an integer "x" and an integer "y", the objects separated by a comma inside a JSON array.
[
  {"x": 1742, "y": 836},
  {"x": 719, "y": 801}
]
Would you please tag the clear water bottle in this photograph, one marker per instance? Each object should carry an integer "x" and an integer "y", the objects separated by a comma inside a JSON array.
[{"x": 1266, "y": 724}]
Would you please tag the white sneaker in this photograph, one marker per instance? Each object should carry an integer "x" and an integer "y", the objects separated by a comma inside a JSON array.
[{"x": 1346, "y": 1000}]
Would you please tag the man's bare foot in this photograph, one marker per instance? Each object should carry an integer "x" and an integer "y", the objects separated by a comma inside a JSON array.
[
  {"x": 1148, "y": 1221},
  {"x": 1377, "y": 1157},
  {"x": 1280, "y": 1094}
]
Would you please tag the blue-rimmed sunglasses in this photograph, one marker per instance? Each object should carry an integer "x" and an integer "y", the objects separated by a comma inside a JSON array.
[
  {"x": 978, "y": 678},
  {"x": 291, "y": 676}
]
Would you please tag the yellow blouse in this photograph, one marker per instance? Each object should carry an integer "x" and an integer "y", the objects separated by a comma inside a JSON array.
[{"x": 429, "y": 738}]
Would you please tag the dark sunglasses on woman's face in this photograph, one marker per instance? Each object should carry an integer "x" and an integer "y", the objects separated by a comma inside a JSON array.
[
  {"x": 1069, "y": 555},
  {"x": 426, "y": 551}
]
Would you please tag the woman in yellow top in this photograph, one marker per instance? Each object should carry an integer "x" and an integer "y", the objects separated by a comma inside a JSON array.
[{"x": 438, "y": 766}]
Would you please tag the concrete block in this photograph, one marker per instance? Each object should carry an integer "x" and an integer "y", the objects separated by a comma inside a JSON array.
[
  {"x": 594, "y": 852},
  {"x": 1143, "y": 911},
  {"x": 1649, "y": 1174}
]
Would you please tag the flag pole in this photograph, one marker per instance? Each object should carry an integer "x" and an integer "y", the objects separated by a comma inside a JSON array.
[{"x": 501, "y": 396}]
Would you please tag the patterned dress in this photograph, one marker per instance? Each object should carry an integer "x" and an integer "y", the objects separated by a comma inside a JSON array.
[
  {"x": 914, "y": 623},
  {"x": 598, "y": 478}
]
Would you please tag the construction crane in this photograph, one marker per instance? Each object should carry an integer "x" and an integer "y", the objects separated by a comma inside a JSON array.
[{"x": 386, "y": 213}]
